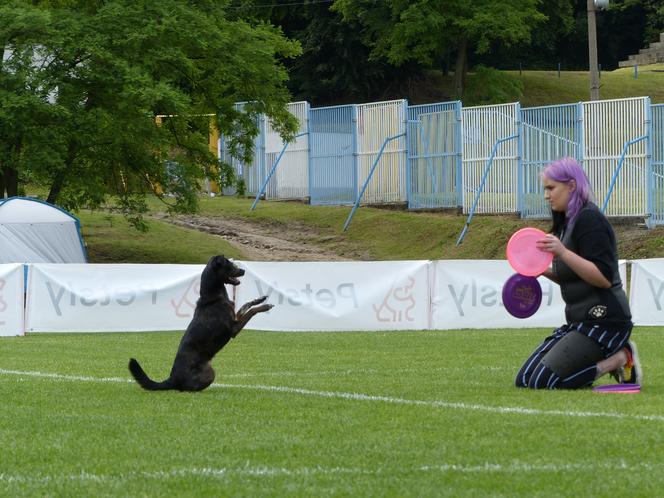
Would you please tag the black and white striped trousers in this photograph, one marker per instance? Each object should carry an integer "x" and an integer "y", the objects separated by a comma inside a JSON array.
[{"x": 535, "y": 375}]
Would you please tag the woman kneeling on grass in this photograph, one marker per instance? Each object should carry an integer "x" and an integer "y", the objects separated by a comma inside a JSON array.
[{"x": 595, "y": 339}]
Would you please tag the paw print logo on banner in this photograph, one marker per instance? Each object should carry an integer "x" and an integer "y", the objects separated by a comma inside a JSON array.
[
  {"x": 187, "y": 303},
  {"x": 398, "y": 303}
]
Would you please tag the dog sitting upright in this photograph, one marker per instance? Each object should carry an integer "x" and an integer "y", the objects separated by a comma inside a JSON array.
[{"x": 214, "y": 324}]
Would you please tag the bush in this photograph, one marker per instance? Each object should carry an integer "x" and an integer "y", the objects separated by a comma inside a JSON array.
[{"x": 487, "y": 85}]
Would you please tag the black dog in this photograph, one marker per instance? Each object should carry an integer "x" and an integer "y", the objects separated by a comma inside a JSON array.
[{"x": 214, "y": 324}]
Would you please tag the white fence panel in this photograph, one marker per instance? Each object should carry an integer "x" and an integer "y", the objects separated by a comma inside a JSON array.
[
  {"x": 482, "y": 128},
  {"x": 608, "y": 126},
  {"x": 291, "y": 177},
  {"x": 375, "y": 123}
]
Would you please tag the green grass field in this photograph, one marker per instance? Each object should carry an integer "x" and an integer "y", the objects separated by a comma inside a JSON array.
[
  {"x": 320, "y": 414},
  {"x": 399, "y": 414}
]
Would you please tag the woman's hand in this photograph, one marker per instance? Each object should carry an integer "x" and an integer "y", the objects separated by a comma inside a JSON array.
[
  {"x": 551, "y": 244},
  {"x": 585, "y": 269}
]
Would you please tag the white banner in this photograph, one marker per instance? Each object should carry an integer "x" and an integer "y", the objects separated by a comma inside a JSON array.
[
  {"x": 108, "y": 298},
  {"x": 468, "y": 294},
  {"x": 622, "y": 270},
  {"x": 646, "y": 292},
  {"x": 386, "y": 295},
  {"x": 368, "y": 295},
  {"x": 11, "y": 299}
]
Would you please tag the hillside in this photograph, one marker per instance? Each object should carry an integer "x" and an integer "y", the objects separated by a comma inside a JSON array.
[
  {"x": 292, "y": 231},
  {"x": 538, "y": 88}
]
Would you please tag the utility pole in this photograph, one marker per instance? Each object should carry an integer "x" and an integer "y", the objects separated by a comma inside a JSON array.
[{"x": 592, "y": 51}]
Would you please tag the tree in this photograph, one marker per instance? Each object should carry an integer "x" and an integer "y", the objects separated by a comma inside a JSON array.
[
  {"x": 334, "y": 67},
  {"x": 651, "y": 10},
  {"x": 543, "y": 49},
  {"x": 88, "y": 87},
  {"x": 21, "y": 96},
  {"x": 427, "y": 30}
]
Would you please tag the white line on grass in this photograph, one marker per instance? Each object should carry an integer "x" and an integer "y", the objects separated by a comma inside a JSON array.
[
  {"x": 55, "y": 376},
  {"x": 365, "y": 397},
  {"x": 265, "y": 471},
  {"x": 439, "y": 404},
  {"x": 351, "y": 371}
]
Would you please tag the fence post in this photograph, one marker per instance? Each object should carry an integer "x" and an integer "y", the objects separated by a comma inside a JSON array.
[
  {"x": 406, "y": 131},
  {"x": 356, "y": 155},
  {"x": 650, "y": 223},
  {"x": 580, "y": 153},
  {"x": 308, "y": 121},
  {"x": 458, "y": 145},
  {"x": 519, "y": 161}
]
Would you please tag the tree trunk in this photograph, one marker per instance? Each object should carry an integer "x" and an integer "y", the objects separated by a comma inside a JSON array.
[
  {"x": 10, "y": 180},
  {"x": 61, "y": 175},
  {"x": 460, "y": 67},
  {"x": 56, "y": 187},
  {"x": 9, "y": 174}
]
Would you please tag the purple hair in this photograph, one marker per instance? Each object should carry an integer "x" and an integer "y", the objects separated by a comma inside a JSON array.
[{"x": 565, "y": 170}]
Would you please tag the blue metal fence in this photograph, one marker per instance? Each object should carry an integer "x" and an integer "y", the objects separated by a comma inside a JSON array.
[
  {"x": 548, "y": 133},
  {"x": 333, "y": 155},
  {"x": 434, "y": 155},
  {"x": 657, "y": 172},
  {"x": 486, "y": 159}
]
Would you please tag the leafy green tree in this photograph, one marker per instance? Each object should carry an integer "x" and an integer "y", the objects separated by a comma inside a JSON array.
[
  {"x": 106, "y": 93},
  {"x": 544, "y": 49},
  {"x": 653, "y": 13},
  {"x": 334, "y": 67},
  {"x": 427, "y": 30}
]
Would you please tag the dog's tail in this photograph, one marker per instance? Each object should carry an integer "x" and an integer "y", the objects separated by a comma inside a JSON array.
[{"x": 146, "y": 382}]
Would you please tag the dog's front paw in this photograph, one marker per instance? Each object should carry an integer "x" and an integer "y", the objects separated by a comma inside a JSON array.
[{"x": 263, "y": 308}]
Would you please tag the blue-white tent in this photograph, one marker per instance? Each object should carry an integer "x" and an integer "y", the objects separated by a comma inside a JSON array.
[{"x": 34, "y": 231}]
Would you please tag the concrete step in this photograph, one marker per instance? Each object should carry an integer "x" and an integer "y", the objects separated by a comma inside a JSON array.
[{"x": 653, "y": 54}]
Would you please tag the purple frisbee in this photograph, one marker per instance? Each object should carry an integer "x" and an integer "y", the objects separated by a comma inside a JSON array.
[{"x": 522, "y": 295}]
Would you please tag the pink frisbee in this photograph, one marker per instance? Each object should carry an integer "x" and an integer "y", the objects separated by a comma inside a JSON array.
[
  {"x": 618, "y": 389},
  {"x": 522, "y": 295},
  {"x": 524, "y": 256}
]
